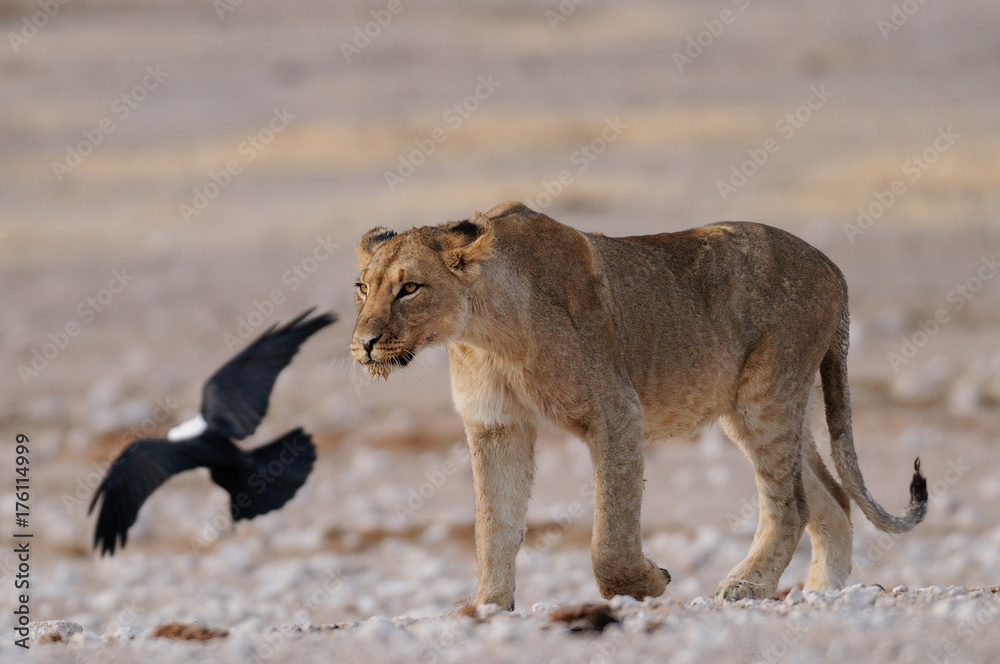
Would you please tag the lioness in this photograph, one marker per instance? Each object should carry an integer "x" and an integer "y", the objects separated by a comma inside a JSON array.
[{"x": 621, "y": 341}]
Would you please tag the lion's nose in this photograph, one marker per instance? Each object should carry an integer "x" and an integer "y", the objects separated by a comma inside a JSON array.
[{"x": 369, "y": 342}]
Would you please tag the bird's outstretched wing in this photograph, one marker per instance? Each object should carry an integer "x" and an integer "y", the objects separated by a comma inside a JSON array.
[
  {"x": 236, "y": 397},
  {"x": 137, "y": 472},
  {"x": 267, "y": 477}
]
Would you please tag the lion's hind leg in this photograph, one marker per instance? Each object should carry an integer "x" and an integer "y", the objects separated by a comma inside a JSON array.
[
  {"x": 783, "y": 511},
  {"x": 766, "y": 421},
  {"x": 829, "y": 526}
]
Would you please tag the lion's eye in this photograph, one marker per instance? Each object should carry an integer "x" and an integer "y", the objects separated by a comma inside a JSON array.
[
  {"x": 362, "y": 288},
  {"x": 409, "y": 288}
]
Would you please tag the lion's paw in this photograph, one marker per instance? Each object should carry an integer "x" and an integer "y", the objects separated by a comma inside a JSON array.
[
  {"x": 733, "y": 589},
  {"x": 652, "y": 583}
]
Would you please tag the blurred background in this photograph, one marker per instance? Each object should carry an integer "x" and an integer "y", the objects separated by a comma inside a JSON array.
[{"x": 175, "y": 177}]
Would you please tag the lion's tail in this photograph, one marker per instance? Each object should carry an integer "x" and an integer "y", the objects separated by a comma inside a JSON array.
[{"x": 836, "y": 396}]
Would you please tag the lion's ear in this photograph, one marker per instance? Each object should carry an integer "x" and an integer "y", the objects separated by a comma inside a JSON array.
[
  {"x": 466, "y": 243},
  {"x": 370, "y": 242}
]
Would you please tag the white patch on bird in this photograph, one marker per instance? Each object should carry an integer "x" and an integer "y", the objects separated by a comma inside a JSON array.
[{"x": 186, "y": 430}]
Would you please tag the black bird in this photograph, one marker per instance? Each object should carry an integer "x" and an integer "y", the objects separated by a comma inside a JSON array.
[{"x": 234, "y": 402}]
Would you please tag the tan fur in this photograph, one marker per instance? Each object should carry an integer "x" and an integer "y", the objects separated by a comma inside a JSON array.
[{"x": 622, "y": 341}]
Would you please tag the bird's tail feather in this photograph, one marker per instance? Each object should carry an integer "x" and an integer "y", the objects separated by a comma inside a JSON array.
[{"x": 271, "y": 477}]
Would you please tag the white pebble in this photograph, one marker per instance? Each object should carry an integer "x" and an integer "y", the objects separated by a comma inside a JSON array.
[
  {"x": 621, "y": 601},
  {"x": 815, "y": 597},
  {"x": 794, "y": 596},
  {"x": 63, "y": 628},
  {"x": 487, "y": 611},
  {"x": 862, "y": 597}
]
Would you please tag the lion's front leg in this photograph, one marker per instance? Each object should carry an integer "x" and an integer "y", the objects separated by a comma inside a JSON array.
[
  {"x": 503, "y": 468},
  {"x": 620, "y": 567}
]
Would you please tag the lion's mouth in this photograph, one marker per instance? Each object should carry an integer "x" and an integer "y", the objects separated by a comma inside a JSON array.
[
  {"x": 382, "y": 368},
  {"x": 402, "y": 359}
]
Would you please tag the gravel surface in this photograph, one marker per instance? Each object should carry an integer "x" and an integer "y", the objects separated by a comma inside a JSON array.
[{"x": 859, "y": 624}]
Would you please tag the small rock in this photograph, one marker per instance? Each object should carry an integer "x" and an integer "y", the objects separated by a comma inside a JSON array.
[
  {"x": 861, "y": 597},
  {"x": 899, "y": 590},
  {"x": 794, "y": 596},
  {"x": 621, "y": 601},
  {"x": 53, "y": 630},
  {"x": 814, "y": 597},
  {"x": 487, "y": 611}
]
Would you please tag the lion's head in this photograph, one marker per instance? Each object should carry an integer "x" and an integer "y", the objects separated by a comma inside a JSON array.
[{"x": 413, "y": 289}]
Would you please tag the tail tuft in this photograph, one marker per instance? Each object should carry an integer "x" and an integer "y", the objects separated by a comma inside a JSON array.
[{"x": 918, "y": 489}]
